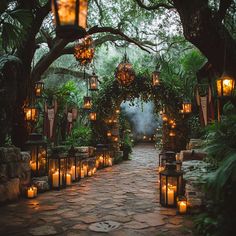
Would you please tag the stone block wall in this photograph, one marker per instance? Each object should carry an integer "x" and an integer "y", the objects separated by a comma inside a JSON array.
[{"x": 14, "y": 173}]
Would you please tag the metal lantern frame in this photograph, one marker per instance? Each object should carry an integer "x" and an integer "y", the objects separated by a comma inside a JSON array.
[
  {"x": 38, "y": 89},
  {"x": 225, "y": 86},
  {"x": 156, "y": 78},
  {"x": 38, "y": 155},
  {"x": 103, "y": 152},
  {"x": 87, "y": 103},
  {"x": 186, "y": 107},
  {"x": 74, "y": 164},
  {"x": 171, "y": 185},
  {"x": 70, "y": 18},
  {"x": 93, "y": 82},
  {"x": 31, "y": 113},
  {"x": 58, "y": 170}
]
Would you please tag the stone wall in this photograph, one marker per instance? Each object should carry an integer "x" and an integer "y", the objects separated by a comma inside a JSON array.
[{"x": 14, "y": 173}]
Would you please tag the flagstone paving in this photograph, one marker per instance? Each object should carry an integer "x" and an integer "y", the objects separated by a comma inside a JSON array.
[{"x": 122, "y": 200}]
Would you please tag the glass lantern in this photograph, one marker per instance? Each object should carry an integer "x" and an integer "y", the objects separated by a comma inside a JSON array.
[
  {"x": 38, "y": 89},
  {"x": 38, "y": 155},
  {"x": 170, "y": 185},
  {"x": 155, "y": 78},
  {"x": 182, "y": 205},
  {"x": 164, "y": 117},
  {"x": 31, "y": 113},
  {"x": 102, "y": 153},
  {"x": 92, "y": 116},
  {"x": 87, "y": 103},
  {"x": 186, "y": 107},
  {"x": 70, "y": 17},
  {"x": 58, "y": 171},
  {"x": 74, "y": 164},
  {"x": 93, "y": 82},
  {"x": 225, "y": 86}
]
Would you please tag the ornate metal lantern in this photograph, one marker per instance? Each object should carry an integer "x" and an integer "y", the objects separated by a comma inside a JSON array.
[
  {"x": 155, "y": 78},
  {"x": 70, "y": 17},
  {"x": 225, "y": 86},
  {"x": 93, "y": 82},
  {"x": 38, "y": 89},
  {"x": 84, "y": 51},
  {"x": 31, "y": 113},
  {"x": 38, "y": 155},
  {"x": 87, "y": 103},
  {"x": 125, "y": 73},
  {"x": 186, "y": 107},
  {"x": 58, "y": 171},
  {"x": 170, "y": 185},
  {"x": 74, "y": 164},
  {"x": 109, "y": 134},
  {"x": 92, "y": 116}
]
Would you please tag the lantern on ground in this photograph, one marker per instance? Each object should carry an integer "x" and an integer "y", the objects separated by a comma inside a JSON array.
[
  {"x": 38, "y": 89},
  {"x": 225, "y": 86},
  {"x": 102, "y": 153},
  {"x": 93, "y": 82},
  {"x": 70, "y": 17},
  {"x": 74, "y": 164},
  {"x": 31, "y": 113},
  {"x": 92, "y": 116},
  {"x": 155, "y": 78},
  {"x": 38, "y": 155},
  {"x": 170, "y": 185},
  {"x": 87, "y": 103},
  {"x": 125, "y": 74},
  {"x": 186, "y": 107},
  {"x": 182, "y": 204},
  {"x": 58, "y": 170}
]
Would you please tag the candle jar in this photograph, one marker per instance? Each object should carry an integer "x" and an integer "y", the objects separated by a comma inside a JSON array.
[
  {"x": 182, "y": 205},
  {"x": 32, "y": 192},
  {"x": 58, "y": 170},
  {"x": 38, "y": 155},
  {"x": 170, "y": 185}
]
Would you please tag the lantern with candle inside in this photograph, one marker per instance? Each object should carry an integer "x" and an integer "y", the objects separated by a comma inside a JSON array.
[
  {"x": 117, "y": 111},
  {"x": 74, "y": 164},
  {"x": 170, "y": 185},
  {"x": 155, "y": 78},
  {"x": 92, "y": 116},
  {"x": 225, "y": 86},
  {"x": 93, "y": 82},
  {"x": 164, "y": 117},
  {"x": 87, "y": 103},
  {"x": 32, "y": 192},
  {"x": 182, "y": 205},
  {"x": 186, "y": 107},
  {"x": 59, "y": 175},
  {"x": 102, "y": 152},
  {"x": 70, "y": 17},
  {"x": 172, "y": 133},
  {"x": 115, "y": 138},
  {"x": 38, "y": 155},
  {"x": 109, "y": 134},
  {"x": 31, "y": 113},
  {"x": 38, "y": 89}
]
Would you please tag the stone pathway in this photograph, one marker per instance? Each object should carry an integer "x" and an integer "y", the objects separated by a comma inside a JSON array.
[{"x": 122, "y": 200}]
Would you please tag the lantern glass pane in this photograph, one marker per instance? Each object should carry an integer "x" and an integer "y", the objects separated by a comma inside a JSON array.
[
  {"x": 225, "y": 86},
  {"x": 93, "y": 116},
  {"x": 93, "y": 83},
  {"x": 155, "y": 78},
  {"x": 87, "y": 103}
]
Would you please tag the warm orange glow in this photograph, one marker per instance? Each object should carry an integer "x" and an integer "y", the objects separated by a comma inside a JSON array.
[
  {"x": 225, "y": 86},
  {"x": 30, "y": 114},
  {"x": 164, "y": 117},
  {"x": 155, "y": 78},
  {"x": 117, "y": 111},
  {"x": 93, "y": 82},
  {"x": 187, "y": 107},
  {"x": 87, "y": 103},
  {"x": 172, "y": 133},
  {"x": 109, "y": 134},
  {"x": 93, "y": 116}
]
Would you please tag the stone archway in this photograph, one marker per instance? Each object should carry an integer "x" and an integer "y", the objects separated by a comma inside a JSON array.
[{"x": 112, "y": 95}]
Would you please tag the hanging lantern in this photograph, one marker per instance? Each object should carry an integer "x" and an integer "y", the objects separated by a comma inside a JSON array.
[
  {"x": 87, "y": 103},
  {"x": 31, "y": 113},
  {"x": 164, "y": 117},
  {"x": 225, "y": 86},
  {"x": 109, "y": 134},
  {"x": 182, "y": 204},
  {"x": 170, "y": 185},
  {"x": 38, "y": 155},
  {"x": 38, "y": 89},
  {"x": 186, "y": 107},
  {"x": 92, "y": 116},
  {"x": 117, "y": 111},
  {"x": 84, "y": 51},
  {"x": 172, "y": 133},
  {"x": 155, "y": 78},
  {"x": 125, "y": 73},
  {"x": 93, "y": 82},
  {"x": 70, "y": 17}
]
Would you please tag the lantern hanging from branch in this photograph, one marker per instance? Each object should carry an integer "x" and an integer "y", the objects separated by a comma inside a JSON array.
[
  {"x": 87, "y": 103},
  {"x": 92, "y": 116},
  {"x": 84, "y": 51},
  {"x": 186, "y": 107},
  {"x": 93, "y": 82},
  {"x": 31, "y": 113},
  {"x": 155, "y": 78},
  {"x": 170, "y": 185},
  {"x": 225, "y": 86},
  {"x": 70, "y": 17},
  {"x": 125, "y": 74},
  {"x": 172, "y": 133},
  {"x": 38, "y": 89},
  {"x": 164, "y": 117}
]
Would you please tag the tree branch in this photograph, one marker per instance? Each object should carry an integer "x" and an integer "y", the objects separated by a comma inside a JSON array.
[
  {"x": 224, "y": 6},
  {"x": 154, "y": 7}
]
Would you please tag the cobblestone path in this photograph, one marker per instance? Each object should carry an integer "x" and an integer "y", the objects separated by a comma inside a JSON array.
[{"x": 122, "y": 200}]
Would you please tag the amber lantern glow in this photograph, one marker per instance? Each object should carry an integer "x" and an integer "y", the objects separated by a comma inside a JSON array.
[
  {"x": 31, "y": 114},
  {"x": 164, "y": 117},
  {"x": 225, "y": 86},
  {"x": 182, "y": 204},
  {"x": 155, "y": 78},
  {"x": 87, "y": 103},
  {"x": 93, "y": 82},
  {"x": 70, "y": 17},
  {"x": 38, "y": 89},
  {"x": 92, "y": 116},
  {"x": 186, "y": 107}
]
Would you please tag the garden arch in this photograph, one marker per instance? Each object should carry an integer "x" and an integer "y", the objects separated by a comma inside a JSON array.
[{"x": 112, "y": 94}]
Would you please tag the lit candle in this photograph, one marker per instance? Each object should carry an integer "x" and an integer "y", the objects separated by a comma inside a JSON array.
[
  {"x": 73, "y": 172},
  {"x": 93, "y": 85},
  {"x": 68, "y": 179},
  {"x": 94, "y": 170},
  {"x": 182, "y": 207},
  {"x": 85, "y": 170},
  {"x": 171, "y": 194},
  {"x": 55, "y": 179},
  {"x": 110, "y": 162},
  {"x": 90, "y": 173},
  {"x": 30, "y": 193},
  {"x": 33, "y": 165},
  {"x": 82, "y": 174},
  {"x": 38, "y": 92}
]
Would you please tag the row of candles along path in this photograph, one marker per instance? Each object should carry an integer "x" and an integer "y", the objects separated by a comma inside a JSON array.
[{"x": 72, "y": 175}]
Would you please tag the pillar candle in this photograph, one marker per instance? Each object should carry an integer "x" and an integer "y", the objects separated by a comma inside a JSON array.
[
  {"x": 82, "y": 174},
  {"x": 85, "y": 168},
  {"x": 55, "y": 179},
  {"x": 182, "y": 207},
  {"x": 30, "y": 193},
  {"x": 171, "y": 194},
  {"x": 68, "y": 179},
  {"x": 73, "y": 172}
]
